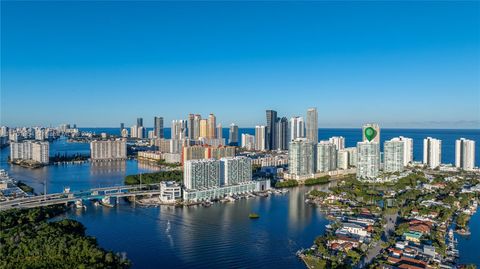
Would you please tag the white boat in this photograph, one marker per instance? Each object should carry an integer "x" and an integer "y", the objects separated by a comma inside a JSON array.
[
  {"x": 79, "y": 204},
  {"x": 106, "y": 202}
]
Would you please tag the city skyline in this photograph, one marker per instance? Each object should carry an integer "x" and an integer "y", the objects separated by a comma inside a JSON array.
[{"x": 162, "y": 62}]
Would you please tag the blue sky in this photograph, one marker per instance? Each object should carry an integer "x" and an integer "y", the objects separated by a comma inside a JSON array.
[{"x": 402, "y": 64}]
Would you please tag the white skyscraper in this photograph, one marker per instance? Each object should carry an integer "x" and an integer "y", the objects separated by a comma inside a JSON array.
[
  {"x": 342, "y": 159},
  {"x": 301, "y": 157},
  {"x": 338, "y": 141},
  {"x": 368, "y": 160},
  {"x": 297, "y": 128},
  {"x": 248, "y": 141},
  {"x": 432, "y": 152},
  {"x": 352, "y": 156},
  {"x": 465, "y": 154},
  {"x": 134, "y": 131},
  {"x": 141, "y": 132},
  {"x": 326, "y": 156},
  {"x": 204, "y": 173},
  {"x": 407, "y": 150},
  {"x": 260, "y": 137},
  {"x": 233, "y": 135},
  {"x": 235, "y": 170},
  {"x": 394, "y": 155},
  {"x": 312, "y": 125}
]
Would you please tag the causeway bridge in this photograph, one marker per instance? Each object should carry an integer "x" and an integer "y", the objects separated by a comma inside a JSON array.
[{"x": 91, "y": 194}]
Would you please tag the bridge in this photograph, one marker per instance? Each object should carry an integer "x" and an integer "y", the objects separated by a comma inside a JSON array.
[{"x": 91, "y": 194}]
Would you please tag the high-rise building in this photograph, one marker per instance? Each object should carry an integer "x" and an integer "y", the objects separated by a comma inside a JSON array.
[
  {"x": 342, "y": 159},
  {"x": 326, "y": 156},
  {"x": 140, "y": 122},
  {"x": 235, "y": 170},
  {"x": 141, "y": 132},
  {"x": 103, "y": 150},
  {"x": 338, "y": 141},
  {"x": 4, "y": 131},
  {"x": 158, "y": 127},
  {"x": 376, "y": 135},
  {"x": 297, "y": 128},
  {"x": 210, "y": 173},
  {"x": 233, "y": 135},
  {"x": 203, "y": 128},
  {"x": 465, "y": 154},
  {"x": 312, "y": 125},
  {"x": 211, "y": 124},
  {"x": 432, "y": 152},
  {"x": 179, "y": 129},
  {"x": 124, "y": 133},
  {"x": 122, "y": 126},
  {"x": 219, "y": 152},
  {"x": 301, "y": 157},
  {"x": 368, "y": 160},
  {"x": 193, "y": 153},
  {"x": 219, "y": 131},
  {"x": 134, "y": 131},
  {"x": 190, "y": 125},
  {"x": 248, "y": 141},
  {"x": 37, "y": 151},
  {"x": 207, "y": 152},
  {"x": 282, "y": 134},
  {"x": 407, "y": 150},
  {"x": 394, "y": 155},
  {"x": 271, "y": 129},
  {"x": 261, "y": 137},
  {"x": 352, "y": 156},
  {"x": 196, "y": 126},
  {"x": 40, "y": 134},
  {"x": 200, "y": 174}
]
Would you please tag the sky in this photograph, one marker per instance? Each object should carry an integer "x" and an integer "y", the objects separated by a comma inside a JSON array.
[{"x": 400, "y": 64}]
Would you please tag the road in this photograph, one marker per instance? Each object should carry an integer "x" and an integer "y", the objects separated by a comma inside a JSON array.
[{"x": 376, "y": 247}]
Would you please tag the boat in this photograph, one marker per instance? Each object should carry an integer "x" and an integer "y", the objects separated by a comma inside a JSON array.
[
  {"x": 207, "y": 204},
  {"x": 79, "y": 205},
  {"x": 253, "y": 216},
  {"x": 106, "y": 202}
]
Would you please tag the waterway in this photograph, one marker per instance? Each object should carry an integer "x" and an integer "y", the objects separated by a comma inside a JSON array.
[{"x": 221, "y": 236}]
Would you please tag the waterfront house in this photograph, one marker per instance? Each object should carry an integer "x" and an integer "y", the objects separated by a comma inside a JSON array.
[{"x": 353, "y": 228}]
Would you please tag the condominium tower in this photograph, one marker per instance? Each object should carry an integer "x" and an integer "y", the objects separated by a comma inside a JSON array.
[
  {"x": 297, "y": 128},
  {"x": 312, "y": 125},
  {"x": 432, "y": 152},
  {"x": 301, "y": 157},
  {"x": 326, "y": 156},
  {"x": 368, "y": 160},
  {"x": 465, "y": 154}
]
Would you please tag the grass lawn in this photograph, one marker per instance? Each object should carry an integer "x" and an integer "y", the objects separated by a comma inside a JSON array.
[{"x": 314, "y": 262}]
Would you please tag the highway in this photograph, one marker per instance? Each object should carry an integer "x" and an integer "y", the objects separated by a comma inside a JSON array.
[{"x": 95, "y": 193}]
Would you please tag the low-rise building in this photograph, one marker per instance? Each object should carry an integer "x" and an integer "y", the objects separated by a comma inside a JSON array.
[{"x": 170, "y": 191}]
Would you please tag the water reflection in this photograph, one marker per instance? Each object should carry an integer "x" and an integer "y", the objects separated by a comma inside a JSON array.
[
  {"x": 112, "y": 167},
  {"x": 144, "y": 165}
]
